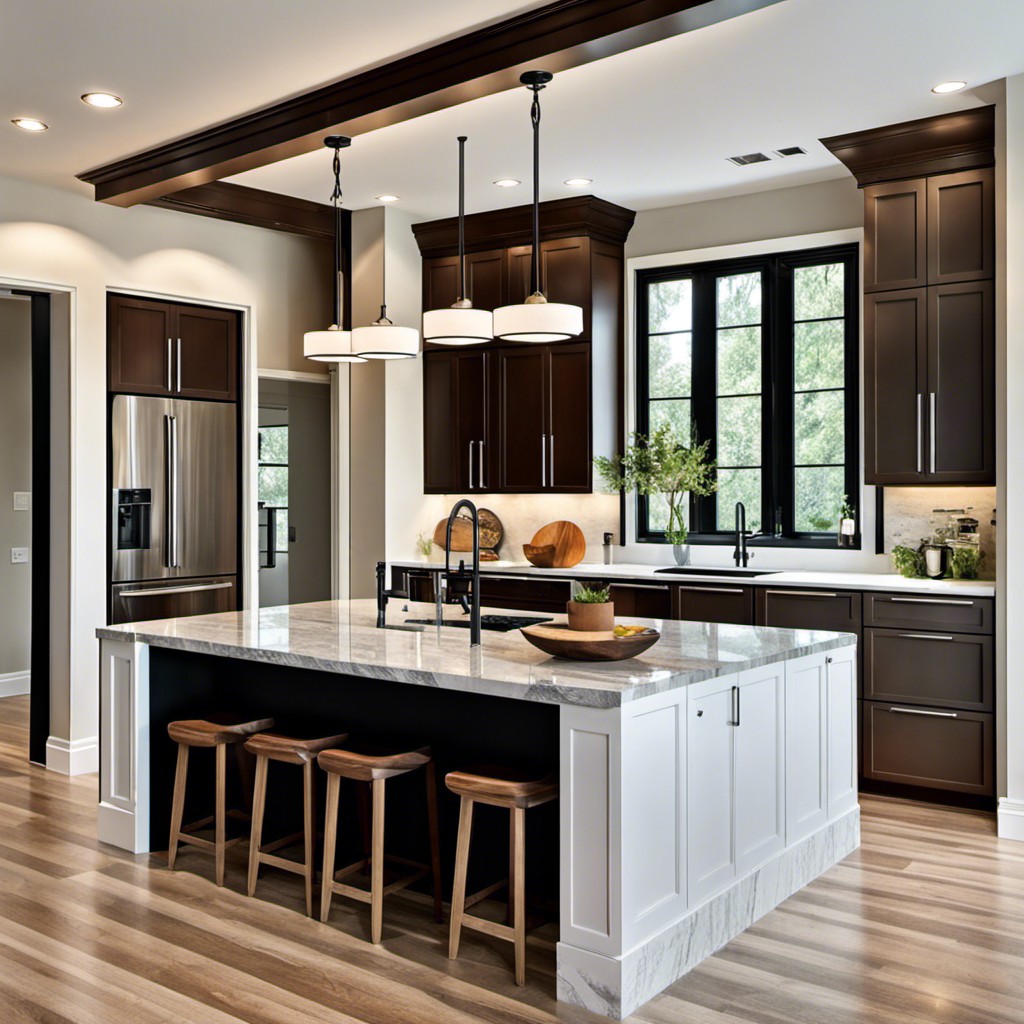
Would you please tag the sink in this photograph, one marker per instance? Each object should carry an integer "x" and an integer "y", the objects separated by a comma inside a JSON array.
[{"x": 693, "y": 570}]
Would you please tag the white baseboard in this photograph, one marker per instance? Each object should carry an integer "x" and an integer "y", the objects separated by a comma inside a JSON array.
[
  {"x": 73, "y": 757},
  {"x": 12, "y": 684},
  {"x": 1010, "y": 819}
]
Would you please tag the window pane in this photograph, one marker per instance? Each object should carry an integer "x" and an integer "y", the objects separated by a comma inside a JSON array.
[
  {"x": 657, "y": 512},
  {"x": 274, "y": 444},
  {"x": 739, "y": 361},
  {"x": 739, "y": 299},
  {"x": 819, "y": 495},
  {"x": 819, "y": 427},
  {"x": 818, "y": 291},
  {"x": 273, "y": 485},
  {"x": 669, "y": 365},
  {"x": 739, "y": 485},
  {"x": 675, "y": 413},
  {"x": 670, "y": 306},
  {"x": 739, "y": 431},
  {"x": 819, "y": 354}
]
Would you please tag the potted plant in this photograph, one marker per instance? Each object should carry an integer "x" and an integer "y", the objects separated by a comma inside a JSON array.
[
  {"x": 660, "y": 463},
  {"x": 591, "y": 609},
  {"x": 846, "y": 533}
]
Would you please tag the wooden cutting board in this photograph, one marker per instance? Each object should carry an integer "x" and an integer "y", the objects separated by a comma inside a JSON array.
[
  {"x": 577, "y": 645},
  {"x": 491, "y": 532},
  {"x": 566, "y": 541}
]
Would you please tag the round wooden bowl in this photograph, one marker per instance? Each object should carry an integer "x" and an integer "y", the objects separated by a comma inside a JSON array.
[
  {"x": 575, "y": 645},
  {"x": 540, "y": 555},
  {"x": 565, "y": 537}
]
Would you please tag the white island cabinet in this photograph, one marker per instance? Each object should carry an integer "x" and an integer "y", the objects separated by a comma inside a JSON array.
[{"x": 701, "y": 783}]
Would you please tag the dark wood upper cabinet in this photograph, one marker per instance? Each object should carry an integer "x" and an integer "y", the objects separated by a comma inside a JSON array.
[
  {"x": 961, "y": 227},
  {"x": 895, "y": 236},
  {"x": 485, "y": 280},
  {"x": 522, "y": 433},
  {"x": 569, "y": 417},
  {"x": 457, "y": 456},
  {"x": 160, "y": 348}
]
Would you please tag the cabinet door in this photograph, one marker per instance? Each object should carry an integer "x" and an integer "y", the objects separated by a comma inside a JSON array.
[
  {"x": 485, "y": 278},
  {"x": 569, "y": 461},
  {"x": 961, "y": 383},
  {"x": 961, "y": 226},
  {"x": 522, "y": 409},
  {"x": 895, "y": 234},
  {"x": 946, "y": 614},
  {"x": 642, "y": 600},
  {"x": 517, "y": 273},
  {"x": 471, "y": 406},
  {"x": 841, "y": 680},
  {"x": 206, "y": 353},
  {"x": 895, "y": 381},
  {"x": 440, "y": 469},
  {"x": 758, "y": 780},
  {"x": 565, "y": 274},
  {"x": 710, "y": 863},
  {"x": 440, "y": 282},
  {"x": 706, "y": 602},
  {"x": 806, "y": 746},
  {"x": 141, "y": 343},
  {"x": 810, "y": 609}
]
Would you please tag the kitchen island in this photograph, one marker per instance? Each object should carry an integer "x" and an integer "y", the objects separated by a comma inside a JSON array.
[{"x": 702, "y": 783}]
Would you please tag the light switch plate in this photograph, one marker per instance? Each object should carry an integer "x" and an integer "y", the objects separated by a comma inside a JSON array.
[
  {"x": 19, "y": 556},
  {"x": 22, "y": 501}
]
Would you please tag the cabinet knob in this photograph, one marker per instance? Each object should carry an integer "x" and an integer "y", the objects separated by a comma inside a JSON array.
[
  {"x": 700, "y": 712},
  {"x": 828, "y": 661}
]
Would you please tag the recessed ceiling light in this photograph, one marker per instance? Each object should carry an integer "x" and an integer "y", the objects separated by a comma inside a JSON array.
[
  {"x": 29, "y": 124},
  {"x": 944, "y": 87},
  {"x": 387, "y": 199},
  {"x": 578, "y": 182},
  {"x": 507, "y": 182},
  {"x": 102, "y": 99}
]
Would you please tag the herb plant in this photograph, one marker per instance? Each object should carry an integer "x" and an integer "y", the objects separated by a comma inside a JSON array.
[
  {"x": 964, "y": 563},
  {"x": 908, "y": 562},
  {"x": 592, "y": 595}
]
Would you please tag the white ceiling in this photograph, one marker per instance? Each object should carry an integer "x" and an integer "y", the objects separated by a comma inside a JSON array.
[
  {"x": 183, "y": 65},
  {"x": 652, "y": 127}
]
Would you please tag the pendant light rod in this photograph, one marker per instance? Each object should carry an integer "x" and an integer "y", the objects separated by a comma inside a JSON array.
[
  {"x": 337, "y": 143},
  {"x": 462, "y": 218},
  {"x": 535, "y": 81}
]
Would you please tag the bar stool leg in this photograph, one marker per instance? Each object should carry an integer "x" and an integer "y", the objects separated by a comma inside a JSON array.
[
  {"x": 219, "y": 810},
  {"x": 259, "y": 804},
  {"x": 518, "y": 823},
  {"x": 459, "y": 884},
  {"x": 435, "y": 853},
  {"x": 377, "y": 862},
  {"x": 177, "y": 803},
  {"x": 330, "y": 839},
  {"x": 309, "y": 825}
]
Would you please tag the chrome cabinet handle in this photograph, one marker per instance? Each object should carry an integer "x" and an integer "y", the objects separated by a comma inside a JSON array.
[
  {"x": 176, "y": 563},
  {"x": 637, "y": 586},
  {"x": 169, "y": 490},
  {"x": 920, "y": 432},
  {"x": 471, "y": 443},
  {"x": 543, "y": 460},
  {"x": 551, "y": 460},
  {"x": 170, "y": 357},
  {"x": 932, "y": 424},
  {"x": 930, "y": 600},
  {"x": 714, "y": 590},
  {"x": 802, "y": 593},
  {"x": 178, "y": 388},
  {"x": 162, "y": 591},
  {"x": 919, "y": 711},
  {"x": 924, "y": 636},
  {"x": 480, "y": 465}
]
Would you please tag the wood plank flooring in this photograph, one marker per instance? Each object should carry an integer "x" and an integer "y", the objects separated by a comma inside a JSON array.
[{"x": 925, "y": 923}]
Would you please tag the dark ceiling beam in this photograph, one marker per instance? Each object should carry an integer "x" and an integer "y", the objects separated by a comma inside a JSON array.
[
  {"x": 564, "y": 34},
  {"x": 244, "y": 205}
]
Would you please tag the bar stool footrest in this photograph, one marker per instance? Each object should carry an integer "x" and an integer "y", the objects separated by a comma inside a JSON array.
[{"x": 484, "y": 893}]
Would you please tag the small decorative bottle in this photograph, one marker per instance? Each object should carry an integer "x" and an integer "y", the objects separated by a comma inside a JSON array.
[{"x": 608, "y": 549}]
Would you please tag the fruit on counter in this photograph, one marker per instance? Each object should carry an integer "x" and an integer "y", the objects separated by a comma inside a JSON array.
[{"x": 629, "y": 630}]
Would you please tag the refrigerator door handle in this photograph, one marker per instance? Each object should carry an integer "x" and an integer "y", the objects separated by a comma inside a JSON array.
[
  {"x": 162, "y": 591},
  {"x": 171, "y": 462},
  {"x": 177, "y": 379}
]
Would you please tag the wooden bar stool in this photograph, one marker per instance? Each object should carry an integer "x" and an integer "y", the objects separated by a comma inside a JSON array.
[
  {"x": 267, "y": 747},
  {"x": 206, "y": 733},
  {"x": 375, "y": 769},
  {"x": 499, "y": 787}
]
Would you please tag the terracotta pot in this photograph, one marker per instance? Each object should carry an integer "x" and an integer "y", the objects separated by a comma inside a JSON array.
[{"x": 591, "y": 618}]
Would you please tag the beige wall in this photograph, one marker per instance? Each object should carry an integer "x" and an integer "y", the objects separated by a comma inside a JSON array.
[
  {"x": 65, "y": 243},
  {"x": 15, "y": 475}
]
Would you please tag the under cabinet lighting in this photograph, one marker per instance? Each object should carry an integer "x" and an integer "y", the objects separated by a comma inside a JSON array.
[
  {"x": 29, "y": 124},
  {"x": 105, "y": 100},
  {"x": 944, "y": 87},
  {"x": 507, "y": 182}
]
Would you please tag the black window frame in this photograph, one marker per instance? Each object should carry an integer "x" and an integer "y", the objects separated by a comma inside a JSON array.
[{"x": 777, "y": 391}]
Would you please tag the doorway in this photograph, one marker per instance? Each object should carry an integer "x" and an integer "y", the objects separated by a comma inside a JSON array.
[{"x": 294, "y": 491}]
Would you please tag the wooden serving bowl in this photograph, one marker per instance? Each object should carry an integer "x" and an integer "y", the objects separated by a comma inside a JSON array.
[
  {"x": 540, "y": 555},
  {"x": 575, "y": 645},
  {"x": 566, "y": 538}
]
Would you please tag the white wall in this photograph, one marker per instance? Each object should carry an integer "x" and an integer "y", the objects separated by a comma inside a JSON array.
[{"x": 62, "y": 242}]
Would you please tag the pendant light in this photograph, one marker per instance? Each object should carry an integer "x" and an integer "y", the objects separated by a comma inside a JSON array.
[
  {"x": 460, "y": 323},
  {"x": 536, "y": 319},
  {"x": 335, "y": 344}
]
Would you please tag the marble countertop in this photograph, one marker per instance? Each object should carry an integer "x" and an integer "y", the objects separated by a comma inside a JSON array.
[
  {"x": 830, "y": 580},
  {"x": 341, "y": 636}
]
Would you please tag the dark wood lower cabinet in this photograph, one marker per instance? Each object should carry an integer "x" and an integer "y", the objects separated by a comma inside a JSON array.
[
  {"x": 530, "y": 595},
  {"x": 706, "y": 602},
  {"x": 809, "y": 609},
  {"x": 644, "y": 601},
  {"x": 913, "y": 611}
]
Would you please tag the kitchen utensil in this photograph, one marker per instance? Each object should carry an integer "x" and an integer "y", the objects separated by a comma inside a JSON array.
[{"x": 568, "y": 540}]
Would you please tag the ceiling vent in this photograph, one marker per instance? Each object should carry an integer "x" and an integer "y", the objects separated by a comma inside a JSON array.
[
  {"x": 749, "y": 158},
  {"x": 791, "y": 151}
]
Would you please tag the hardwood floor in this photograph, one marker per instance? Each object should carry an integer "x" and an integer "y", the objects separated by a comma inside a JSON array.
[{"x": 925, "y": 923}]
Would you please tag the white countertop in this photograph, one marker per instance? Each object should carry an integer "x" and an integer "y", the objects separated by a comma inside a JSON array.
[
  {"x": 341, "y": 637},
  {"x": 828, "y": 580}
]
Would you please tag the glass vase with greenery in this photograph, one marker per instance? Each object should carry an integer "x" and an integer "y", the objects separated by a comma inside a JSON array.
[{"x": 660, "y": 463}]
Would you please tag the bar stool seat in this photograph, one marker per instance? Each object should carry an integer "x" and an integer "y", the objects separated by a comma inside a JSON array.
[
  {"x": 219, "y": 732},
  {"x": 267, "y": 747},
  {"x": 517, "y": 791},
  {"x": 375, "y": 767}
]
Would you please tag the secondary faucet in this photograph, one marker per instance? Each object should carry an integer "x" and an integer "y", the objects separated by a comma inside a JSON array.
[
  {"x": 458, "y": 581},
  {"x": 741, "y": 555}
]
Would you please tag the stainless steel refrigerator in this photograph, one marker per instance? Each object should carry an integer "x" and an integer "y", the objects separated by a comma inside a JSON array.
[{"x": 174, "y": 508}]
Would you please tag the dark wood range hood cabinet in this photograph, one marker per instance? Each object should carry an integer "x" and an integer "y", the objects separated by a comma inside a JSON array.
[
  {"x": 520, "y": 418},
  {"x": 929, "y": 307}
]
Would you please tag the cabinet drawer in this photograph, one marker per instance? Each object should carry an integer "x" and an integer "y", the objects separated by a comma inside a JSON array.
[
  {"x": 705, "y": 602},
  {"x": 527, "y": 595},
  {"x": 948, "y": 670},
  {"x": 950, "y": 750},
  {"x": 909, "y": 611},
  {"x": 646, "y": 601},
  {"x": 810, "y": 609}
]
